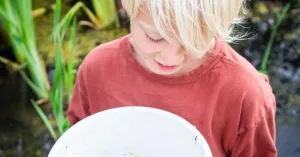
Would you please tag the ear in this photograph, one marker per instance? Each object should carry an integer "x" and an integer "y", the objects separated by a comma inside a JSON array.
[
  {"x": 123, "y": 10},
  {"x": 123, "y": 4}
]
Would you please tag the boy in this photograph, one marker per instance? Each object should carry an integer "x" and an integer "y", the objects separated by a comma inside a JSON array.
[{"x": 176, "y": 59}]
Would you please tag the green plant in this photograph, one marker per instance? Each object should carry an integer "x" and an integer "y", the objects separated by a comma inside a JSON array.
[
  {"x": 105, "y": 10},
  {"x": 263, "y": 67},
  {"x": 18, "y": 23},
  {"x": 17, "y": 16},
  {"x": 69, "y": 71},
  {"x": 64, "y": 71},
  {"x": 44, "y": 119}
]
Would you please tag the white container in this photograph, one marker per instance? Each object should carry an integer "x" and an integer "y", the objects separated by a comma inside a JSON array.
[{"x": 132, "y": 132}]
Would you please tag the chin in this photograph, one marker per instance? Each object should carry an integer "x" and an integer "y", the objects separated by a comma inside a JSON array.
[{"x": 165, "y": 73}]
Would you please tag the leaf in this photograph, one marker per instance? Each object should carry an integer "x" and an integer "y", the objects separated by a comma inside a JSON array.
[
  {"x": 44, "y": 119},
  {"x": 18, "y": 23},
  {"x": 31, "y": 84},
  {"x": 67, "y": 17},
  {"x": 104, "y": 9},
  {"x": 66, "y": 125},
  {"x": 57, "y": 11}
]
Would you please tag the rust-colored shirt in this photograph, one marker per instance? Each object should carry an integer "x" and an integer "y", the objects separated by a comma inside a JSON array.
[{"x": 229, "y": 102}]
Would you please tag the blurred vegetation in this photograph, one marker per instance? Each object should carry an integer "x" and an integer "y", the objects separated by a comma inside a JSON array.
[
  {"x": 55, "y": 89},
  {"x": 58, "y": 46},
  {"x": 18, "y": 23},
  {"x": 263, "y": 67}
]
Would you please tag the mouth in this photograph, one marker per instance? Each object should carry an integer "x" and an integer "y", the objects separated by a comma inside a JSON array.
[{"x": 165, "y": 67}]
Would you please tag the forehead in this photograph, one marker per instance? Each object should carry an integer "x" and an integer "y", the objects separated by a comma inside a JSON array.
[{"x": 144, "y": 17}]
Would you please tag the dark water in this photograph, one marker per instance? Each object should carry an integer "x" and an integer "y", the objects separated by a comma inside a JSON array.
[{"x": 22, "y": 133}]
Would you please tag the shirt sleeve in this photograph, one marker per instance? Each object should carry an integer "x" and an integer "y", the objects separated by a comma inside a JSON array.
[
  {"x": 79, "y": 105},
  {"x": 257, "y": 132},
  {"x": 258, "y": 141}
]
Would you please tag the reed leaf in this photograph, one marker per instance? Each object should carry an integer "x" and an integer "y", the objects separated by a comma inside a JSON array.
[
  {"x": 44, "y": 119},
  {"x": 18, "y": 23}
]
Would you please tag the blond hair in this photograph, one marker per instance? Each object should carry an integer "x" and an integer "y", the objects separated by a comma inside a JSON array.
[{"x": 195, "y": 22}]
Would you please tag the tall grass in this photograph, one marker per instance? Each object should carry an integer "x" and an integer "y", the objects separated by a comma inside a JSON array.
[
  {"x": 64, "y": 71},
  {"x": 263, "y": 67},
  {"x": 17, "y": 21},
  {"x": 64, "y": 74}
]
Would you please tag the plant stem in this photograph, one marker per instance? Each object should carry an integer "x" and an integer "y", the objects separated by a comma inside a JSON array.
[{"x": 263, "y": 67}]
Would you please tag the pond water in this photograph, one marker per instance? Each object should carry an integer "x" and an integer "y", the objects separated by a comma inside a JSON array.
[{"x": 22, "y": 132}]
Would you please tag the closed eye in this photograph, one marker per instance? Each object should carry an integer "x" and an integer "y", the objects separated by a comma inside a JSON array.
[{"x": 154, "y": 40}]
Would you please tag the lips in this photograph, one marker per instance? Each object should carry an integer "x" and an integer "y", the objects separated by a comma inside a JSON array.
[{"x": 166, "y": 67}]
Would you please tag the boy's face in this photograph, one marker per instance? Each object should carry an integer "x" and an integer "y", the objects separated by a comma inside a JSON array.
[{"x": 155, "y": 53}]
